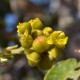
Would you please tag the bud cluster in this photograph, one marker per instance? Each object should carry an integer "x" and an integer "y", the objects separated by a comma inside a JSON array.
[{"x": 42, "y": 45}]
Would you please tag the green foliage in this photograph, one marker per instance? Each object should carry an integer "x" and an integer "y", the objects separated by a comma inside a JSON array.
[
  {"x": 64, "y": 70},
  {"x": 7, "y": 54},
  {"x": 43, "y": 47}
]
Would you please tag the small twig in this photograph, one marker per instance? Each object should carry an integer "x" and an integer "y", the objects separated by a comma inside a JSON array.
[
  {"x": 13, "y": 50},
  {"x": 17, "y": 51}
]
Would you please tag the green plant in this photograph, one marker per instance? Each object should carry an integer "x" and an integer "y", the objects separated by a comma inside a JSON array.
[
  {"x": 42, "y": 47},
  {"x": 35, "y": 38}
]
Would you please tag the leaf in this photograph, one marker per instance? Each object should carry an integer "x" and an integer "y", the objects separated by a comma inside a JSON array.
[
  {"x": 64, "y": 70},
  {"x": 7, "y": 54},
  {"x": 19, "y": 50}
]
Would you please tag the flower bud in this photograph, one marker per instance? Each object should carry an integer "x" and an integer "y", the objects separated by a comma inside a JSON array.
[
  {"x": 60, "y": 43},
  {"x": 45, "y": 63},
  {"x": 28, "y": 51},
  {"x": 40, "y": 44},
  {"x": 33, "y": 59},
  {"x": 61, "y": 35},
  {"x": 26, "y": 41},
  {"x": 36, "y": 33},
  {"x": 53, "y": 53},
  {"x": 36, "y": 24},
  {"x": 53, "y": 37},
  {"x": 58, "y": 39},
  {"x": 47, "y": 31},
  {"x": 22, "y": 27}
]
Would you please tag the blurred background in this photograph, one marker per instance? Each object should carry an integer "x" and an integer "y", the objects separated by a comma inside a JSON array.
[{"x": 59, "y": 14}]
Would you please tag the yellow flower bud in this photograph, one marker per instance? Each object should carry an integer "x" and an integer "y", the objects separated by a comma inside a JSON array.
[
  {"x": 33, "y": 59},
  {"x": 22, "y": 27},
  {"x": 47, "y": 31},
  {"x": 53, "y": 37},
  {"x": 58, "y": 39},
  {"x": 40, "y": 44},
  {"x": 60, "y": 43},
  {"x": 26, "y": 41},
  {"x": 36, "y": 24},
  {"x": 61, "y": 35},
  {"x": 28, "y": 51},
  {"x": 45, "y": 63},
  {"x": 36, "y": 33},
  {"x": 53, "y": 53}
]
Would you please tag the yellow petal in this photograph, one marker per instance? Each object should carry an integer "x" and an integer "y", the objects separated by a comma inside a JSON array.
[
  {"x": 36, "y": 24},
  {"x": 61, "y": 35},
  {"x": 60, "y": 43},
  {"x": 53, "y": 53},
  {"x": 55, "y": 34}
]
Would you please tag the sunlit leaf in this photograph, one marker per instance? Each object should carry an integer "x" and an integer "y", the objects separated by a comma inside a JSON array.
[{"x": 64, "y": 70}]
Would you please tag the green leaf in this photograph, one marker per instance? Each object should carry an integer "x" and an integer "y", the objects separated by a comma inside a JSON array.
[
  {"x": 7, "y": 54},
  {"x": 64, "y": 70}
]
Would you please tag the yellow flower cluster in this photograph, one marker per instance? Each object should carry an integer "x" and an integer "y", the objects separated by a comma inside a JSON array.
[
  {"x": 41, "y": 44},
  {"x": 58, "y": 39}
]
